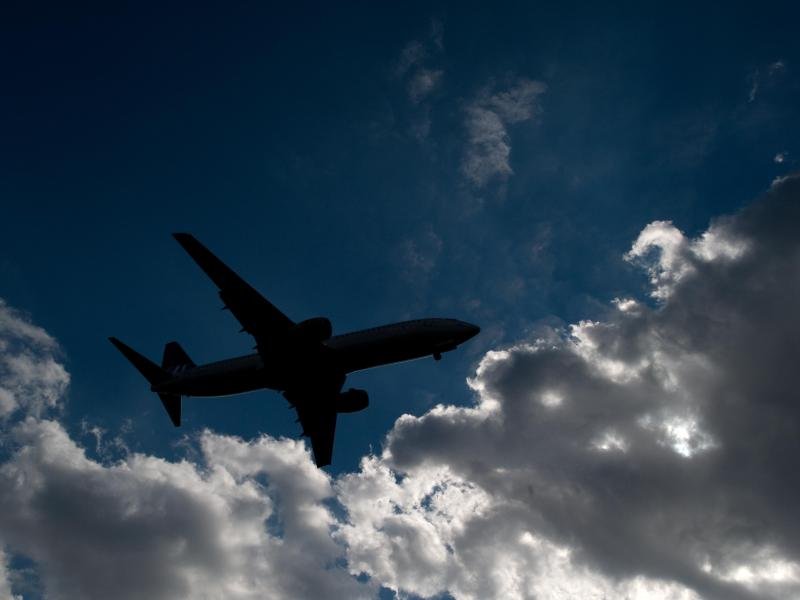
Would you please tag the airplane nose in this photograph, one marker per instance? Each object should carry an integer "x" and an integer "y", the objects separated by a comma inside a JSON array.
[{"x": 470, "y": 330}]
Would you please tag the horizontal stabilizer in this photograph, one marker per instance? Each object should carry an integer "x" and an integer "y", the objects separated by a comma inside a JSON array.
[
  {"x": 151, "y": 371},
  {"x": 172, "y": 404}
]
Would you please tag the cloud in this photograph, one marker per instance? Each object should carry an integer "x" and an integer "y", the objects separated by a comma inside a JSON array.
[
  {"x": 149, "y": 528},
  {"x": 422, "y": 83},
  {"x": 5, "y": 586},
  {"x": 776, "y": 67},
  {"x": 421, "y": 80},
  {"x": 647, "y": 455},
  {"x": 487, "y": 117},
  {"x": 773, "y": 70},
  {"x": 651, "y": 454},
  {"x": 754, "y": 85},
  {"x": 419, "y": 255},
  {"x": 31, "y": 377},
  {"x": 414, "y": 67},
  {"x": 412, "y": 54},
  {"x": 242, "y": 518}
]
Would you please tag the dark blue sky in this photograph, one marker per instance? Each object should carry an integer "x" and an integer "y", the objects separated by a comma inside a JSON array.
[{"x": 287, "y": 140}]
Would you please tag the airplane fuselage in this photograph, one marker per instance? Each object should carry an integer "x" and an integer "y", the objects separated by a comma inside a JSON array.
[
  {"x": 303, "y": 360},
  {"x": 340, "y": 355}
]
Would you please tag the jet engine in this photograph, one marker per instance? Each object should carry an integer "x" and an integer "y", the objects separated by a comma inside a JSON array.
[
  {"x": 352, "y": 400},
  {"x": 317, "y": 329}
]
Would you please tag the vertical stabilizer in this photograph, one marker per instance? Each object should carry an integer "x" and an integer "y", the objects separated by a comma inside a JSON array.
[
  {"x": 175, "y": 358},
  {"x": 155, "y": 375}
]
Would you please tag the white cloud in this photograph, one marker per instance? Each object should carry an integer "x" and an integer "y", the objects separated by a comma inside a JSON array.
[
  {"x": 647, "y": 455},
  {"x": 668, "y": 256},
  {"x": 31, "y": 377},
  {"x": 243, "y": 518},
  {"x": 149, "y": 528},
  {"x": 666, "y": 469},
  {"x": 488, "y": 115}
]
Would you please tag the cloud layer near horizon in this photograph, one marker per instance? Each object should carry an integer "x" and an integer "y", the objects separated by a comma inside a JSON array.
[{"x": 649, "y": 455}]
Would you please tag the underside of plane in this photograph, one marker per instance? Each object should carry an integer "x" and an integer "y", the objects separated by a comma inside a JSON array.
[{"x": 304, "y": 360}]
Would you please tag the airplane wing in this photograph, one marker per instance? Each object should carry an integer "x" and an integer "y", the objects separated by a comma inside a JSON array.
[
  {"x": 257, "y": 315},
  {"x": 318, "y": 420}
]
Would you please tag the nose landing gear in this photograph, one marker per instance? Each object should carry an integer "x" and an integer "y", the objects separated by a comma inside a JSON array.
[{"x": 437, "y": 356}]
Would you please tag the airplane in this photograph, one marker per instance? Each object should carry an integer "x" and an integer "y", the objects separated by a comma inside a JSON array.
[{"x": 304, "y": 360}]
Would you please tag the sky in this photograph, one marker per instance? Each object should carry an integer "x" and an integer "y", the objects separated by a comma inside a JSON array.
[{"x": 610, "y": 192}]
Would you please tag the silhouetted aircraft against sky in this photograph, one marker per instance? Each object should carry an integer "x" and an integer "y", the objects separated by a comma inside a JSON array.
[{"x": 303, "y": 360}]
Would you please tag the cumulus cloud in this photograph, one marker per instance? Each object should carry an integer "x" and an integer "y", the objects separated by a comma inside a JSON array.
[
  {"x": 150, "y": 528},
  {"x": 651, "y": 454},
  {"x": 243, "y": 518},
  {"x": 487, "y": 118},
  {"x": 31, "y": 377}
]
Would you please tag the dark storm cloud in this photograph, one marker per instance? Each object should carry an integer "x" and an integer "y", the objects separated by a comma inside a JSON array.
[{"x": 657, "y": 446}]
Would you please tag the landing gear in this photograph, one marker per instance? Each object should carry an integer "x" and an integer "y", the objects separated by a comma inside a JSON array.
[{"x": 437, "y": 356}]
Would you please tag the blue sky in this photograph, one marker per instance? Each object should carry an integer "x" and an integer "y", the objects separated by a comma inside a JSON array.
[{"x": 368, "y": 163}]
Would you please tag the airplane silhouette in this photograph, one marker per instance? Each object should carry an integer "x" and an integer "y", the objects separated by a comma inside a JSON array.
[{"x": 302, "y": 360}]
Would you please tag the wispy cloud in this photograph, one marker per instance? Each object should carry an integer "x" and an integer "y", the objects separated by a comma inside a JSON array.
[
  {"x": 422, "y": 83},
  {"x": 420, "y": 254},
  {"x": 417, "y": 68},
  {"x": 772, "y": 70},
  {"x": 487, "y": 118},
  {"x": 412, "y": 54}
]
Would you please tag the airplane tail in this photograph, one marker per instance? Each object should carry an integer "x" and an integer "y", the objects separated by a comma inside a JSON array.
[
  {"x": 155, "y": 375},
  {"x": 172, "y": 404},
  {"x": 175, "y": 358}
]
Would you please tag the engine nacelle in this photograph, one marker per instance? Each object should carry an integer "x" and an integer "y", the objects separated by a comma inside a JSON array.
[
  {"x": 352, "y": 400},
  {"x": 317, "y": 329}
]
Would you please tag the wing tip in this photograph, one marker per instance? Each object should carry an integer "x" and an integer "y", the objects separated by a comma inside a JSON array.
[{"x": 182, "y": 236}]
